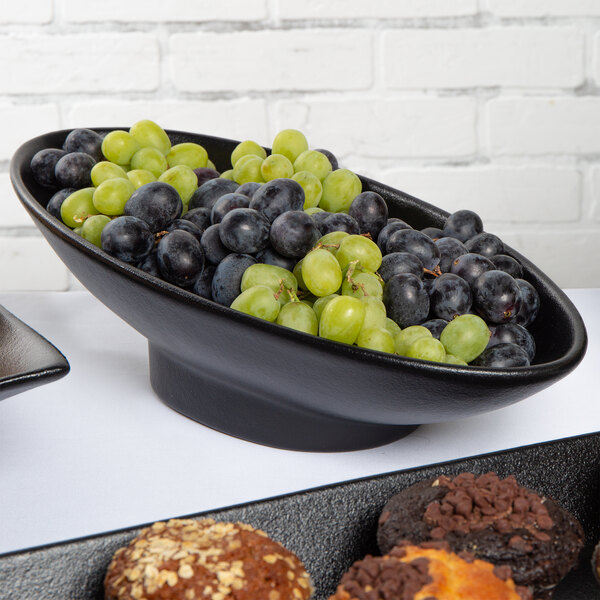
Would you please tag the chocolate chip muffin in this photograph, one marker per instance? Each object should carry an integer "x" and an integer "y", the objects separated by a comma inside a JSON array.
[
  {"x": 427, "y": 571},
  {"x": 186, "y": 560},
  {"x": 495, "y": 519}
]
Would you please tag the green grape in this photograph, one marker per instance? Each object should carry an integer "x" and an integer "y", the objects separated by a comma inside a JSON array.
[
  {"x": 340, "y": 188},
  {"x": 409, "y": 335},
  {"x": 342, "y": 319},
  {"x": 375, "y": 313},
  {"x": 299, "y": 316},
  {"x": 149, "y": 159},
  {"x": 104, "y": 170},
  {"x": 313, "y": 189},
  {"x": 466, "y": 336},
  {"x": 189, "y": 154},
  {"x": 140, "y": 177},
  {"x": 246, "y": 148},
  {"x": 291, "y": 143},
  {"x": 149, "y": 134},
  {"x": 297, "y": 271},
  {"x": 276, "y": 166},
  {"x": 320, "y": 304},
  {"x": 227, "y": 174},
  {"x": 331, "y": 241},
  {"x": 359, "y": 248},
  {"x": 247, "y": 168},
  {"x": 77, "y": 230},
  {"x": 183, "y": 179},
  {"x": 311, "y": 210},
  {"x": 392, "y": 327},
  {"x": 111, "y": 195},
  {"x": 321, "y": 272},
  {"x": 427, "y": 348},
  {"x": 454, "y": 360},
  {"x": 314, "y": 162},
  {"x": 376, "y": 338},
  {"x": 77, "y": 207},
  {"x": 361, "y": 285},
  {"x": 119, "y": 146},
  {"x": 92, "y": 228},
  {"x": 258, "y": 301},
  {"x": 280, "y": 280}
]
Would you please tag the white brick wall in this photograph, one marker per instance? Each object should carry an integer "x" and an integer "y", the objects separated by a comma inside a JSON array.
[{"x": 492, "y": 105}]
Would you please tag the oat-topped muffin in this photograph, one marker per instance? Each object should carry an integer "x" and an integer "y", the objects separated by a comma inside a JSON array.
[
  {"x": 431, "y": 572},
  {"x": 187, "y": 560},
  {"x": 495, "y": 519}
]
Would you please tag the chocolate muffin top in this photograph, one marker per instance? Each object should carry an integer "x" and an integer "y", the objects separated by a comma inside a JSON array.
[
  {"x": 427, "y": 572},
  {"x": 187, "y": 559},
  {"x": 495, "y": 519}
]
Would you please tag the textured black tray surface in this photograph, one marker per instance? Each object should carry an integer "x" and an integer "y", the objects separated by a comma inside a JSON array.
[
  {"x": 331, "y": 527},
  {"x": 27, "y": 359}
]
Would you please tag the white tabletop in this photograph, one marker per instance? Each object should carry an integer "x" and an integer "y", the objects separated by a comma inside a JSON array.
[{"x": 98, "y": 451}]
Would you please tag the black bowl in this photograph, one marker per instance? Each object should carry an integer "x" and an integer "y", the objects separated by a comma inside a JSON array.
[
  {"x": 279, "y": 387},
  {"x": 27, "y": 359}
]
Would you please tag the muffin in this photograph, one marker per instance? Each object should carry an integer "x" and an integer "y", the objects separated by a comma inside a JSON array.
[
  {"x": 495, "y": 519},
  {"x": 185, "y": 559},
  {"x": 428, "y": 571}
]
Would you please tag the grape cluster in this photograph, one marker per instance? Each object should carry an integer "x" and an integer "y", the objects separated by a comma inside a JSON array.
[{"x": 291, "y": 238}]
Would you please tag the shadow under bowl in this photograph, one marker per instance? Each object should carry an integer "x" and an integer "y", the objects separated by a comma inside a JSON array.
[
  {"x": 275, "y": 386},
  {"x": 27, "y": 360}
]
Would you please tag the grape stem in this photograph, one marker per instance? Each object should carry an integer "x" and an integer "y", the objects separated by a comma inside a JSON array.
[
  {"x": 436, "y": 272},
  {"x": 321, "y": 245},
  {"x": 352, "y": 265}
]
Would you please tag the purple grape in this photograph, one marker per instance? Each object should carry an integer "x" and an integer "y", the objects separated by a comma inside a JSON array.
[
  {"x": 486, "y": 244},
  {"x": 248, "y": 188},
  {"x": 205, "y": 174},
  {"x": 436, "y": 326},
  {"x": 530, "y": 303},
  {"x": 184, "y": 225},
  {"x": 180, "y": 258},
  {"x": 387, "y": 230},
  {"x": 43, "y": 165},
  {"x": 73, "y": 170},
  {"x": 435, "y": 233},
  {"x": 502, "y": 356},
  {"x": 200, "y": 217},
  {"x": 278, "y": 196},
  {"x": 210, "y": 191},
  {"x": 370, "y": 211},
  {"x": 203, "y": 284},
  {"x": 400, "y": 262},
  {"x": 405, "y": 299},
  {"x": 471, "y": 266},
  {"x": 127, "y": 238},
  {"x": 450, "y": 296},
  {"x": 244, "y": 230},
  {"x": 293, "y": 233},
  {"x": 227, "y": 278},
  {"x": 450, "y": 249},
  {"x": 496, "y": 296},
  {"x": 85, "y": 140},
  {"x": 512, "y": 333},
  {"x": 508, "y": 264},
  {"x": 150, "y": 264},
  {"x": 268, "y": 256},
  {"x": 214, "y": 250},
  {"x": 157, "y": 203},
  {"x": 319, "y": 218},
  {"x": 226, "y": 203},
  {"x": 417, "y": 243},
  {"x": 339, "y": 222},
  {"x": 463, "y": 225}
]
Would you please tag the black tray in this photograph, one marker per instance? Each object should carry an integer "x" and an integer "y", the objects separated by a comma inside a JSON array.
[
  {"x": 332, "y": 526},
  {"x": 27, "y": 359}
]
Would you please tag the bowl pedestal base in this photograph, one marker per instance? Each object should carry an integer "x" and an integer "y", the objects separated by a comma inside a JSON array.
[{"x": 226, "y": 407}]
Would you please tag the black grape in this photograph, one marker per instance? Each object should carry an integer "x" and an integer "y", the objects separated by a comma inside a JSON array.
[
  {"x": 226, "y": 203},
  {"x": 85, "y": 140},
  {"x": 127, "y": 238},
  {"x": 54, "y": 204},
  {"x": 417, "y": 243},
  {"x": 268, "y": 256},
  {"x": 205, "y": 174},
  {"x": 73, "y": 170},
  {"x": 157, "y": 203},
  {"x": 450, "y": 248},
  {"x": 180, "y": 257},
  {"x": 293, "y": 233},
  {"x": 43, "y": 165},
  {"x": 248, "y": 188},
  {"x": 434, "y": 233},
  {"x": 463, "y": 225},
  {"x": 450, "y": 296},
  {"x": 513, "y": 334},
  {"x": 370, "y": 212},
  {"x": 502, "y": 356},
  {"x": 339, "y": 222},
  {"x": 486, "y": 244},
  {"x": 150, "y": 264},
  {"x": 496, "y": 296},
  {"x": 471, "y": 266},
  {"x": 210, "y": 191},
  {"x": 400, "y": 262},
  {"x": 391, "y": 226},
  {"x": 530, "y": 303},
  {"x": 200, "y": 217},
  {"x": 436, "y": 326},
  {"x": 214, "y": 250},
  {"x": 228, "y": 277},
  {"x": 331, "y": 158},
  {"x": 244, "y": 230},
  {"x": 508, "y": 264},
  {"x": 405, "y": 299},
  {"x": 203, "y": 284},
  {"x": 278, "y": 196},
  {"x": 185, "y": 225}
]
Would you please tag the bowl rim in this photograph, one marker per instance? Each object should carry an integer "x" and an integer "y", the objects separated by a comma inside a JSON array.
[{"x": 535, "y": 372}]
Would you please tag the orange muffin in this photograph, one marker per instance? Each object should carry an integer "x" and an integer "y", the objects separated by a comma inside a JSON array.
[
  {"x": 185, "y": 559},
  {"x": 427, "y": 572}
]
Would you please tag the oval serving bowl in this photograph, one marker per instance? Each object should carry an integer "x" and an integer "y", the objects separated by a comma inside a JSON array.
[{"x": 279, "y": 387}]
